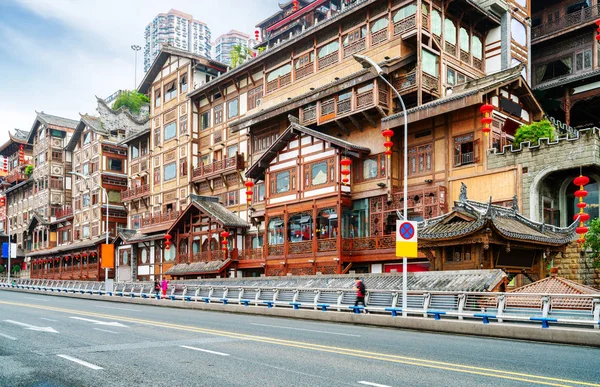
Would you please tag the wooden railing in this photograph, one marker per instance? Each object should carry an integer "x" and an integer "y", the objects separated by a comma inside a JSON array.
[
  {"x": 406, "y": 81},
  {"x": 465, "y": 57},
  {"x": 15, "y": 175},
  {"x": 354, "y": 47},
  {"x": 478, "y": 63},
  {"x": 430, "y": 82},
  {"x": 304, "y": 247},
  {"x": 309, "y": 114},
  {"x": 405, "y": 25},
  {"x": 364, "y": 99},
  {"x": 369, "y": 243},
  {"x": 214, "y": 169},
  {"x": 328, "y": 60},
  {"x": 585, "y": 15},
  {"x": 328, "y": 107},
  {"x": 379, "y": 36},
  {"x": 250, "y": 254},
  {"x": 450, "y": 48},
  {"x": 304, "y": 71},
  {"x": 63, "y": 212},
  {"x": 157, "y": 218},
  {"x": 344, "y": 106},
  {"x": 135, "y": 192},
  {"x": 279, "y": 82}
]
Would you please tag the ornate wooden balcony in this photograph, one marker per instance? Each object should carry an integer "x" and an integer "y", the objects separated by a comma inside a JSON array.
[
  {"x": 159, "y": 218},
  {"x": 218, "y": 168},
  {"x": 406, "y": 82},
  {"x": 354, "y": 47},
  {"x": 279, "y": 82},
  {"x": 328, "y": 60},
  {"x": 248, "y": 254},
  {"x": 570, "y": 21},
  {"x": 304, "y": 71},
  {"x": 135, "y": 192},
  {"x": 405, "y": 25},
  {"x": 383, "y": 242},
  {"x": 64, "y": 212}
]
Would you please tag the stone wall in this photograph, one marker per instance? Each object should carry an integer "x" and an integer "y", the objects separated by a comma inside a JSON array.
[
  {"x": 575, "y": 266},
  {"x": 534, "y": 162}
]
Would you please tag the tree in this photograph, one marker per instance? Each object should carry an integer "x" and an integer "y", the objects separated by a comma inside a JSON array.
[
  {"x": 592, "y": 242},
  {"x": 28, "y": 170},
  {"x": 132, "y": 100},
  {"x": 535, "y": 131},
  {"x": 239, "y": 54}
]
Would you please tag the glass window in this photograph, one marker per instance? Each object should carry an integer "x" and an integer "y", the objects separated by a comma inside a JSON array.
[
  {"x": 87, "y": 138},
  {"x": 170, "y": 130},
  {"x": 232, "y": 150},
  {"x": 319, "y": 173},
  {"x": 170, "y": 254},
  {"x": 369, "y": 169},
  {"x": 85, "y": 231},
  {"x": 157, "y": 97},
  {"x": 275, "y": 231},
  {"x": 280, "y": 72},
  {"x": 135, "y": 152},
  {"x": 42, "y": 134},
  {"x": 464, "y": 39},
  {"x": 183, "y": 83},
  {"x": 328, "y": 49},
  {"x": 259, "y": 193},
  {"x": 518, "y": 31},
  {"x": 449, "y": 31},
  {"x": 355, "y": 35},
  {"x": 405, "y": 12},
  {"x": 85, "y": 200},
  {"x": 233, "y": 108},
  {"x": 379, "y": 24},
  {"x": 476, "y": 48},
  {"x": 451, "y": 77},
  {"x": 583, "y": 60},
  {"x": 283, "y": 181},
  {"x": 204, "y": 120},
  {"x": 430, "y": 63},
  {"x": 257, "y": 242},
  {"x": 125, "y": 257},
  {"x": 355, "y": 221},
  {"x": 327, "y": 224},
  {"x": 115, "y": 165},
  {"x": 300, "y": 227},
  {"x": 436, "y": 22},
  {"x": 86, "y": 169},
  {"x": 170, "y": 91},
  {"x": 144, "y": 256},
  {"x": 170, "y": 171}
]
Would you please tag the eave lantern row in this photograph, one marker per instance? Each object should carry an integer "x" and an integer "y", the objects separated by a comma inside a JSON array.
[
  {"x": 581, "y": 181},
  {"x": 486, "y": 120},
  {"x": 345, "y": 170}
]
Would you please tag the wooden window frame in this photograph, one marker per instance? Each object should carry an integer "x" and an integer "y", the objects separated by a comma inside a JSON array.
[
  {"x": 273, "y": 182},
  {"x": 253, "y": 96},
  {"x": 218, "y": 114},
  {"x": 420, "y": 151},
  {"x": 207, "y": 121},
  {"x": 170, "y": 90},
  {"x": 458, "y": 158},
  {"x": 236, "y": 99},
  {"x": 357, "y": 174},
  {"x": 308, "y": 173}
]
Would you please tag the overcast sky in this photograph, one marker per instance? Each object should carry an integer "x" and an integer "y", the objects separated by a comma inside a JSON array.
[{"x": 56, "y": 55}]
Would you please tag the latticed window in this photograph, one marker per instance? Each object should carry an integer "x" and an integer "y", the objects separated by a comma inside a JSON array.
[
  {"x": 419, "y": 159},
  {"x": 466, "y": 150},
  {"x": 218, "y": 114},
  {"x": 253, "y": 96}
]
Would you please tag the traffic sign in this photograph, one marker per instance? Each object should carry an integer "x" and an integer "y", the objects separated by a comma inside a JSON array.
[{"x": 406, "y": 239}]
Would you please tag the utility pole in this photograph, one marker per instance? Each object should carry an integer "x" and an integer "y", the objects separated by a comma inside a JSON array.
[{"x": 135, "y": 48}]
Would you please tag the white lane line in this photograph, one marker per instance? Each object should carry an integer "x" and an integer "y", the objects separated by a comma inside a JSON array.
[
  {"x": 306, "y": 330},
  {"x": 110, "y": 307},
  {"x": 7, "y": 336},
  {"x": 106, "y": 330},
  {"x": 36, "y": 299},
  {"x": 47, "y": 319},
  {"x": 373, "y": 384},
  {"x": 205, "y": 350},
  {"x": 83, "y": 363}
]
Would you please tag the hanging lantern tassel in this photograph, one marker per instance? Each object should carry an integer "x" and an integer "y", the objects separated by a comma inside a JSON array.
[
  {"x": 487, "y": 119},
  {"x": 388, "y": 144},
  {"x": 345, "y": 163},
  {"x": 581, "y": 181},
  {"x": 224, "y": 242},
  {"x": 249, "y": 184}
]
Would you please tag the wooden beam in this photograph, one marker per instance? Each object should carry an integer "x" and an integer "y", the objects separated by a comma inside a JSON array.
[
  {"x": 368, "y": 118},
  {"x": 380, "y": 110},
  {"x": 343, "y": 127},
  {"x": 354, "y": 122}
]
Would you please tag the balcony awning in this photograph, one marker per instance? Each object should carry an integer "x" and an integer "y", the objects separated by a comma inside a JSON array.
[{"x": 199, "y": 268}]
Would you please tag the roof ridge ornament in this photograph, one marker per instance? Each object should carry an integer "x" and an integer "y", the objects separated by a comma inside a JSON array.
[
  {"x": 463, "y": 192},
  {"x": 488, "y": 212},
  {"x": 515, "y": 204}
]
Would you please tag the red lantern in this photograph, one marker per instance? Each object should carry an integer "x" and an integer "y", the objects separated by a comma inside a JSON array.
[
  {"x": 581, "y": 241},
  {"x": 487, "y": 119},
  {"x": 2, "y": 201},
  {"x": 581, "y": 230},
  {"x": 598, "y": 30},
  {"x": 581, "y": 205},
  {"x": 581, "y": 180},
  {"x": 581, "y": 193},
  {"x": 345, "y": 172},
  {"x": 388, "y": 134},
  {"x": 225, "y": 235},
  {"x": 168, "y": 241},
  {"x": 249, "y": 184},
  {"x": 21, "y": 154},
  {"x": 345, "y": 169},
  {"x": 295, "y": 5},
  {"x": 257, "y": 34},
  {"x": 583, "y": 217},
  {"x": 5, "y": 164},
  {"x": 345, "y": 180}
]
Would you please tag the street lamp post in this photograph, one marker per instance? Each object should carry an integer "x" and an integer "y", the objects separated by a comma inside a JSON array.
[
  {"x": 135, "y": 48},
  {"x": 87, "y": 178},
  {"x": 374, "y": 68}
]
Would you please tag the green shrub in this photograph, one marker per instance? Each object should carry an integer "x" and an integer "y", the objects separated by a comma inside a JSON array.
[
  {"x": 28, "y": 170},
  {"x": 592, "y": 242},
  {"x": 535, "y": 131},
  {"x": 132, "y": 100}
]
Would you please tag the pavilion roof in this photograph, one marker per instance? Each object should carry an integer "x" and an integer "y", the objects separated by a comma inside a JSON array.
[{"x": 196, "y": 268}]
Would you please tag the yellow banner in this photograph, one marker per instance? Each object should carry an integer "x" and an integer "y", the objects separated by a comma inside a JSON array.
[{"x": 407, "y": 249}]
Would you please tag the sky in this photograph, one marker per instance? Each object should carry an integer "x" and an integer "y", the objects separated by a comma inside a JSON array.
[{"x": 57, "y": 55}]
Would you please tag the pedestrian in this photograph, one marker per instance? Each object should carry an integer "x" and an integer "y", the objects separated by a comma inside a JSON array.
[
  {"x": 157, "y": 289},
  {"x": 164, "y": 285},
  {"x": 361, "y": 290}
]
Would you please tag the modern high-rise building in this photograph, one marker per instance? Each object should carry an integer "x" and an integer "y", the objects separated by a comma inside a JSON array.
[
  {"x": 176, "y": 29},
  {"x": 225, "y": 43}
]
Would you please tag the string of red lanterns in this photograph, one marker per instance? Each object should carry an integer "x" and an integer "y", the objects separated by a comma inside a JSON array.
[
  {"x": 345, "y": 163},
  {"x": 21, "y": 154},
  {"x": 295, "y": 5},
  {"x": 598, "y": 30},
  {"x": 388, "y": 144},
  {"x": 224, "y": 242},
  {"x": 249, "y": 184},
  {"x": 581, "y": 181},
  {"x": 168, "y": 241},
  {"x": 486, "y": 120}
]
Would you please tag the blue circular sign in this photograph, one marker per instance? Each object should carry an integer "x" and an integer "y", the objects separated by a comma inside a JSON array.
[{"x": 407, "y": 231}]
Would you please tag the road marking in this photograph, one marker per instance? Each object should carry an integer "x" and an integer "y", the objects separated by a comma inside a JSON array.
[
  {"x": 36, "y": 299},
  {"x": 305, "y": 330},
  {"x": 7, "y": 336},
  {"x": 373, "y": 384},
  {"x": 490, "y": 372},
  {"x": 205, "y": 350},
  {"x": 110, "y": 307},
  {"x": 112, "y": 324},
  {"x": 83, "y": 363},
  {"x": 32, "y": 327},
  {"x": 47, "y": 319},
  {"x": 106, "y": 330}
]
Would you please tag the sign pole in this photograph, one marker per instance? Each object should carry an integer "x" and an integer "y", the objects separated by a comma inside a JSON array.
[
  {"x": 8, "y": 264},
  {"x": 406, "y": 246}
]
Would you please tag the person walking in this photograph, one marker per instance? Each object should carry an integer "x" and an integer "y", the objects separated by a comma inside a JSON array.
[
  {"x": 361, "y": 291},
  {"x": 157, "y": 289},
  {"x": 164, "y": 285}
]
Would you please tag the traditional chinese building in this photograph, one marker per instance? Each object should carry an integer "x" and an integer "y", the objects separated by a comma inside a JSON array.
[{"x": 476, "y": 235}]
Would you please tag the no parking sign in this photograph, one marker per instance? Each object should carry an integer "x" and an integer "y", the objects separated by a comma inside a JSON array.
[{"x": 406, "y": 239}]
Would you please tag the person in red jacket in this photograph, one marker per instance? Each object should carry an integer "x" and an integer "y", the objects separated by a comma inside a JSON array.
[{"x": 361, "y": 291}]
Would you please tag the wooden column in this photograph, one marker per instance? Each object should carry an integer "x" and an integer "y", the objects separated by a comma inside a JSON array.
[{"x": 567, "y": 106}]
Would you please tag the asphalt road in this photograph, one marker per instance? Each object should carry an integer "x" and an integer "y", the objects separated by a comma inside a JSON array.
[{"x": 58, "y": 341}]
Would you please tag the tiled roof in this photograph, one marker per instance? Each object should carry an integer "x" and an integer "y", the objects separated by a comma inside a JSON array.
[
  {"x": 257, "y": 169},
  {"x": 73, "y": 246},
  {"x": 469, "y": 216},
  {"x": 555, "y": 285},
  {"x": 86, "y": 120},
  {"x": 198, "y": 267},
  {"x": 49, "y": 119},
  {"x": 566, "y": 80},
  {"x": 20, "y": 134},
  {"x": 451, "y": 281},
  {"x": 219, "y": 212}
]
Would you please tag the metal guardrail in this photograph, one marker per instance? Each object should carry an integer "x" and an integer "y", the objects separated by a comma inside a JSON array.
[{"x": 547, "y": 309}]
